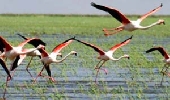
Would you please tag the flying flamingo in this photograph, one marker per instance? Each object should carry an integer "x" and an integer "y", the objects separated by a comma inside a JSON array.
[
  {"x": 127, "y": 24},
  {"x": 35, "y": 53},
  {"x": 166, "y": 59},
  {"x": 105, "y": 56},
  {"x": 14, "y": 54},
  {"x": 35, "y": 43},
  {"x": 47, "y": 59}
]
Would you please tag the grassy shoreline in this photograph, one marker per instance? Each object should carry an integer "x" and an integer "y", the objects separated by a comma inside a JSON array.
[{"x": 72, "y": 24}]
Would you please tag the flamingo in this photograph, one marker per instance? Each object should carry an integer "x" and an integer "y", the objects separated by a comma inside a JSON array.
[
  {"x": 14, "y": 54},
  {"x": 166, "y": 59},
  {"x": 127, "y": 24},
  {"x": 105, "y": 56},
  {"x": 47, "y": 59},
  {"x": 35, "y": 53},
  {"x": 35, "y": 43}
]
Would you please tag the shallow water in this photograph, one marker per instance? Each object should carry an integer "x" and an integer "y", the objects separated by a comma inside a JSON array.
[{"x": 75, "y": 77}]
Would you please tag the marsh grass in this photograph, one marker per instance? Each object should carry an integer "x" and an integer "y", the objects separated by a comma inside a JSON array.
[{"x": 55, "y": 29}]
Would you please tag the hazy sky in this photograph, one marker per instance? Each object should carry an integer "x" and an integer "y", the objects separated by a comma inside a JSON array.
[{"x": 80, "y": 6}]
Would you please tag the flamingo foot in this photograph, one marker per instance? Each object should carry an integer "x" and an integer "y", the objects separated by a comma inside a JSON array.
[
  {"x": 52, "y": 79},
  {"x": 106, "y": 32},
  {"x": 104, "y": 69},
  {"x": 8, "y": 78}
]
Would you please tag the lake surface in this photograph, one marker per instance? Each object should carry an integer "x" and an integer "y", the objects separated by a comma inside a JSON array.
[{"x": 75, "y": 79}]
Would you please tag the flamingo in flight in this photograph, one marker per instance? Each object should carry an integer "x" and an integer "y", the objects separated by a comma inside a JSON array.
[
  {"x": 166, "y": 59},
  {"x": 15, "y": 54},
  {"x": 47, "y": 59},
  {"x": 105, "y": 56},
  {"x": 127, "y": 24},
  {"x": 35, "y": 53}
]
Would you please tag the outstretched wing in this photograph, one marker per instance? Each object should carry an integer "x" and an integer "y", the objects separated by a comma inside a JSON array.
[
  {"x": 150, "y": 13},
  {"x": 15, "y": 63},
  {"x": 34, "y": 42},
  {"x": 115, "y": 13},
  {"x": 4, "y": 44},
  {"x": 25, "y": 42},
  {"x": 59, "y": 47},
  {"x": 97, "y": 49},
  {"x": 4, "y": 67},
  {"x": 114, "y": 48},
  {"x": 161, "y": 50}
]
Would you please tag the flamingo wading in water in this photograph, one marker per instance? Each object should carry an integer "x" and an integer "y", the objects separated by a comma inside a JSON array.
[
  {"x": 126, "y": 23},
  {"x": 105, "y": 56},
  {"x": 166, "y": 60},
  {"x": 47, "y": 59}
]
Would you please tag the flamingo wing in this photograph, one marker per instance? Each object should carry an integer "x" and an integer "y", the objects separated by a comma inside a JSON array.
[
  {"x": 25, "y": 42},
  {"x": 161, "y": 50},
  {"x": 4, "y": 44},
  {"x": 15, "y": 63},
  {"x": 97, "y": 49},
  {"x": 115, "y": 13},
  {"x": 47, "y": 67},
  {"x": 150, "y": 12},
  {"x": 43, "y": 52},
  {"x": 59, "y": 47},
  {"x": 114, "y": 48},
  {"x": 4, "y": 67},
  {"x": 34, "y": 42}
]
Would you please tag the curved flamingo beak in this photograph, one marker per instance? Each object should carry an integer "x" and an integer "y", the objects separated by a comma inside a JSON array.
[{"x": 75, "y": 54}]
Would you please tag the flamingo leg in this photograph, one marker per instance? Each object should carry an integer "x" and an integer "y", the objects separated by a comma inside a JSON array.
[
  {"x": 28, "y": 66},
  {"x": 49, "y": 74},
  {"x": 107, "y": 33},
  {"x": 6, "y": 85},
  {"x": 40, "y": 74},
  {"x": 98, "y": 71},
  {"x": 164, "y": 73}
]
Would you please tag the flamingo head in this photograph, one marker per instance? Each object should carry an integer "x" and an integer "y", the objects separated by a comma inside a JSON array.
[
  {"x": 161, "y": 21},
  {"x": 73, "y": 53},
  {"x": 126, "y": 56}
]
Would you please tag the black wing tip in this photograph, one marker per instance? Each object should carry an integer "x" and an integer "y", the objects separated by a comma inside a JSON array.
[
  {"x": 147, "y": 51},
  {"x": 93, "y": 4},
  {"x": 22, "y": 36},
  {"x": 131, "y": 37},
  {"x": 161, "y": 5},
  {"x": 160, "y": 47}
]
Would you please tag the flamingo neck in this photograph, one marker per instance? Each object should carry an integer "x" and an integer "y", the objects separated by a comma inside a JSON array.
[
  {"x": 114, "y": 59},
  {"x": 58, "y": 61},
  {"x": 28, "y": 51},
  {"x": 149, "y": 26}
]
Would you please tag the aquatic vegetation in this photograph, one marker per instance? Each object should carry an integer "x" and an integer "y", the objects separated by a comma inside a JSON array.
[{"x": 127, "y": 79}]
